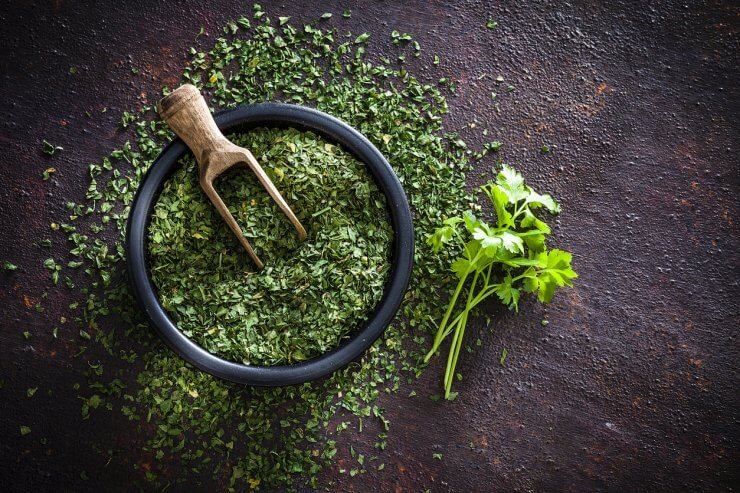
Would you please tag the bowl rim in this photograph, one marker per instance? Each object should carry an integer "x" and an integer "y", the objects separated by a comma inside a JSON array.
[{"x": 332, "y": 129}]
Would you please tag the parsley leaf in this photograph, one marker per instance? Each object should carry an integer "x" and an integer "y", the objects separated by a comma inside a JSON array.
[{"x": 506, "y": 259}]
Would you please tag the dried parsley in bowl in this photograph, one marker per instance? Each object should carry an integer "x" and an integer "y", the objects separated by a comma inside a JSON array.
[{"x": 312, "y": 294}]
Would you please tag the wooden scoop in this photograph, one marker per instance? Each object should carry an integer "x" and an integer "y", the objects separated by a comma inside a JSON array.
[{"x": 187, "y": 114}]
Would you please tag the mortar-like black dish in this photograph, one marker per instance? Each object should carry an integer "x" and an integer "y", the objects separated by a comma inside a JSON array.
[{"x": 332, "y": 129}]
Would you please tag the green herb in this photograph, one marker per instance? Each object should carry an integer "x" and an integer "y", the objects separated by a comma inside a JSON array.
[
  {"x": 492, "y": 146},
  {"x": 491, "y": 24},
  {"x": 504, "y": 259},
  {"x": 50, "y": 149},
  {"x": 128, "y": 118},
  {"x": 398, "y": 37},
  {"x": 31, "y": 391},
  {"x": 347, "y": 13},
  {"x": 259, "y": 437},
  {"x": 55, "y": 269},
  {"x": 326, "y": 15},
  {"x": 25, "y": 430},
  {"x": 311, "y": 295},
  {"x": 47, "y": 173},
  {"x": 9, "y": 266},
  {"x": 504, "y": 353}
]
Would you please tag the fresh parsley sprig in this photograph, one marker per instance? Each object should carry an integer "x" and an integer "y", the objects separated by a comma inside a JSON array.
[{"x": 504, "y": 259}]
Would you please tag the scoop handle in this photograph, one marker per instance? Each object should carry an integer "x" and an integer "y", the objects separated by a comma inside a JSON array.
[{"x": 187, "y": 114}]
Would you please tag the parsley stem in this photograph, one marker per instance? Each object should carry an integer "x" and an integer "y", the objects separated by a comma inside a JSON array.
[
  {"x": 441, "y": 331},
  {"x": 457, "y": 339},
  {"x": 518, "y": 210},
  {"x": 530, "y": 233},
  {"x": 487, "y": 290}
]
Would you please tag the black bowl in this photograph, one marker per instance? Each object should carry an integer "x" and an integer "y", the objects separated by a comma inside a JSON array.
[{"x": 332, "y": 129}]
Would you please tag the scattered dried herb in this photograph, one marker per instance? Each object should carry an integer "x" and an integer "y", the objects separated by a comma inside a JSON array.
[
  {"x": 258, "y": 437},
  {"x": 311, "y": 294},
  {"x": 47, "y": 173},
  {"x": 50, "y": 149}
]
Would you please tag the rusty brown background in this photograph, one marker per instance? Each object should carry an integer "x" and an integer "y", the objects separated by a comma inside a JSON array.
[{"x": 633, "y": 385}]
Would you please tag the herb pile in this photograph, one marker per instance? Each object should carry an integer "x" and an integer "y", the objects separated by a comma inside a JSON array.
[
  {"x": 311, "y": 294},
  {"x": 200, "y": 426},
  {"x": 192, "y": 426}
]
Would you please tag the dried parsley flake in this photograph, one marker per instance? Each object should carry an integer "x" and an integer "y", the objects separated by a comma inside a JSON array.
[
  {"x": 189, "y": 424},
  {"x": 311, "y": 294}
]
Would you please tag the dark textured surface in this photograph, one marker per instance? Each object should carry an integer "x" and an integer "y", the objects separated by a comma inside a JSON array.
[{"x": 633, "y": 384}]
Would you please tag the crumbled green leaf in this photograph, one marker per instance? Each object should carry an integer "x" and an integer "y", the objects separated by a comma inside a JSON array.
[
  {"x": 308, "y": 66},
  {"x": 47, "y": 173},
  {"x": 362, "y": 38},
  {"x": 504, "y": 353},
  {"x": 50, "y": 149},
  {"x": 312, "y": 294},
  {"x": 398, "y": 37}
]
